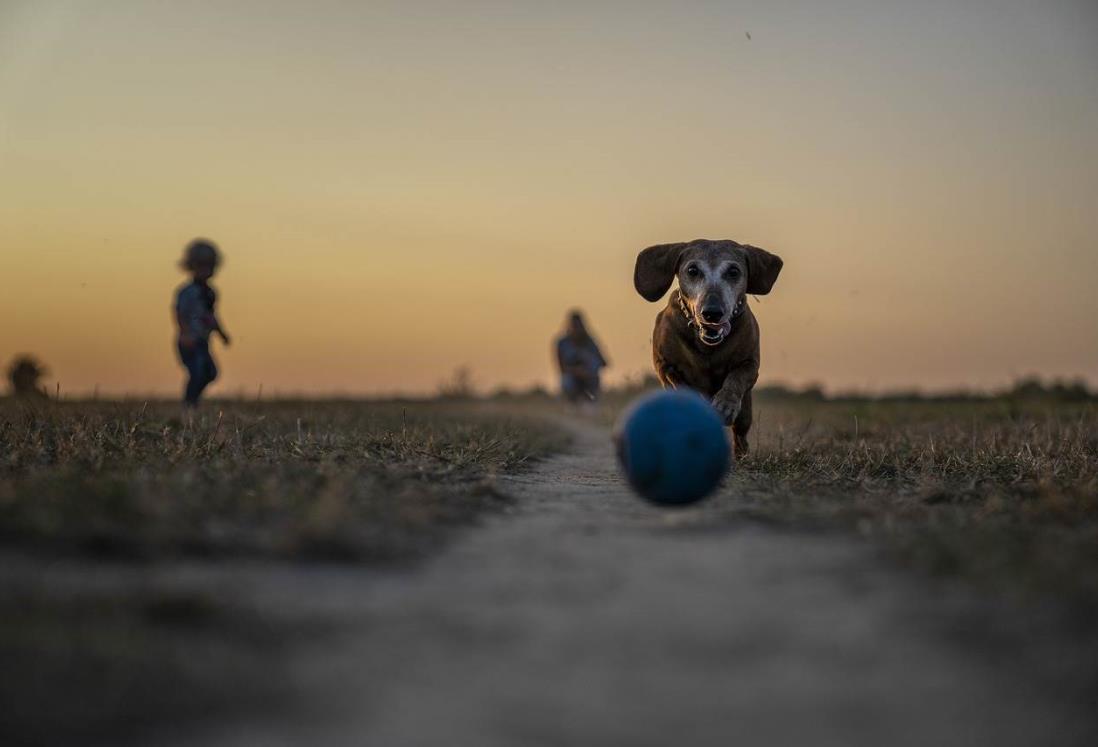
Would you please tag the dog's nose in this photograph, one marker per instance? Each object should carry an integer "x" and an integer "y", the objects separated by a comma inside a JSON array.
[{"x": 712, "y": 314}]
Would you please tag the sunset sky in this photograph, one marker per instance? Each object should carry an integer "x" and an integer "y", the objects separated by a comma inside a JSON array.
[{"x": 401, "y": 188}]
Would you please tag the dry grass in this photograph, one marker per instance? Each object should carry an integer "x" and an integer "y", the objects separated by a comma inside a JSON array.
[
  {"x": 332, "y": 480},
  {"x": 100, "y": 652},
  {"x": 1001, "y": 492}
]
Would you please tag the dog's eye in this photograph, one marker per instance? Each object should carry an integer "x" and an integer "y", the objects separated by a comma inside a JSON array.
[
  {"x": 733, "y": 273},
  {"x": 692, "y": 271}
]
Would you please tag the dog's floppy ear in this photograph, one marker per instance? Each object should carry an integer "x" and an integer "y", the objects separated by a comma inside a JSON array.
[
  {"x": 655, "y": 270},
  {"x": 762, "y": 270}
]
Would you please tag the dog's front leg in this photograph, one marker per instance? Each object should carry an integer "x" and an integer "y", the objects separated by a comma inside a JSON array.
[
  {"x": 670, "y": 377},
  {"x": 729, "y": 398}
]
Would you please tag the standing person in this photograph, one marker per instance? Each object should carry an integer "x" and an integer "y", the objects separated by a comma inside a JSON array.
[
  {"x": 580, "y": 361},
  {"x": 194, "y": 314}
]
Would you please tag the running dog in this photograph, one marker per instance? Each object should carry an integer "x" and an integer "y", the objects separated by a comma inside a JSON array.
[{"x": 706, "y": 338}]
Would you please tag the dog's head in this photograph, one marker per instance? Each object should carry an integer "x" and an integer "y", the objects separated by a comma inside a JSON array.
[{"x": 714, "y": 278}]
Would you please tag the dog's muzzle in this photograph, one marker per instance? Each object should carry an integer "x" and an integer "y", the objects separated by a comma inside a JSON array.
[
  {"x": 711, "y": 334},
  {"x": 714, "y": 334}
]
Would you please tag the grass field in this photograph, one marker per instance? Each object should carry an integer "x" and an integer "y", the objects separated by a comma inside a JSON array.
[
  {"x": 1001, "y": 492},
  {"x": 333, "y": 480},
  {"x": 101, "y": 503}
]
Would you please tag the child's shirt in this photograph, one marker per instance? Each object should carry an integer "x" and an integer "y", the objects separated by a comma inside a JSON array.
[
  {"x": 585, "y": 353},
  {"x": 194, "y": 302}
]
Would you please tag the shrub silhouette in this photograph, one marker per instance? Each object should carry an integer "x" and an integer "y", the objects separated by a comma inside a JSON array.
[
  {"x": 24, "y": 374},
  {"x": 459, "y": 386}
]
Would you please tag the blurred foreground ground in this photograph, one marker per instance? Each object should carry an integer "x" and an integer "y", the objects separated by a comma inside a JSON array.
[{"x": 874, "y": 573}]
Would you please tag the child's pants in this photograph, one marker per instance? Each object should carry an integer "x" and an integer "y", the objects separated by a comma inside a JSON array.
[
  {"x": 580, "y": 388},
  {"x": 201, "y": 369}
]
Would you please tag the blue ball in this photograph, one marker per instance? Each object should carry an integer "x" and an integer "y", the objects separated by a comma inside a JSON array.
[{"x": 673, "y": 447}]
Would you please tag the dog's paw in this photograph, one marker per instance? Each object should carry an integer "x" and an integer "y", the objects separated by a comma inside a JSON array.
[{"x": 727, "y": 407}]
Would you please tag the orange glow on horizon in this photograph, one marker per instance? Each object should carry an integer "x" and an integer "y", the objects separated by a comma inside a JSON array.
[{"x": 400, "y": 195}]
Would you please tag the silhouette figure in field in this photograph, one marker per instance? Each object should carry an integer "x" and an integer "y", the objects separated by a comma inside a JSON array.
[
  {"x": 580, "y": 361},
  {"x": 195, "y": 317},
  {"x": 24, "y": 375}
]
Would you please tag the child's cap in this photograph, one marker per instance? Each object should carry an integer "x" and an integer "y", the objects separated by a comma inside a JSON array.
[{"x": 200, "y": 252}]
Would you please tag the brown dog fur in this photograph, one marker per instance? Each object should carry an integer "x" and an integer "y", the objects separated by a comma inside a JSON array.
[{"x": 724, "y": 371}]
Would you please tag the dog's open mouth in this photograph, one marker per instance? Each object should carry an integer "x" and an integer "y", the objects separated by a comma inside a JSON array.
[{"x": 713, "y": 334}]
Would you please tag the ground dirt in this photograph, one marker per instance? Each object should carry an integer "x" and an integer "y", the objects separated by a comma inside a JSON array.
[{"x": 583, "y": 616}]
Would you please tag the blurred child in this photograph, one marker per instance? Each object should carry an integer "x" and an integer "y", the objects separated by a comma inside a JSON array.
[
  {"x": 194, "y": 313},
  {"x": 580, "y": 361}
]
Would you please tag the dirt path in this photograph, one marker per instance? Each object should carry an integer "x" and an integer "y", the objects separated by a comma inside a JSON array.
[{"x": 588, "y": 618}]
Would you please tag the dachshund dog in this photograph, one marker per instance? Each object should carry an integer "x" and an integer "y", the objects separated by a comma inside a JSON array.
[{"x": 706, "y": 338}]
